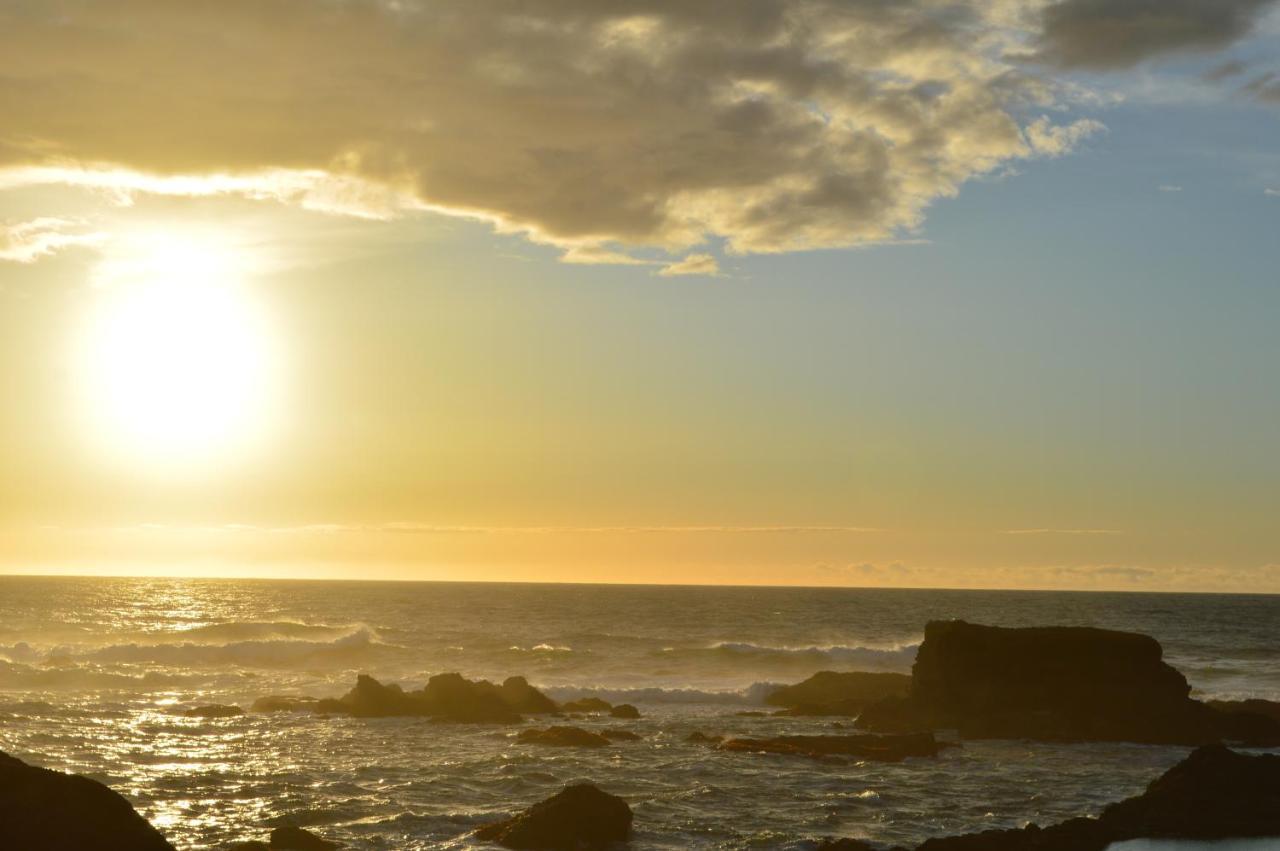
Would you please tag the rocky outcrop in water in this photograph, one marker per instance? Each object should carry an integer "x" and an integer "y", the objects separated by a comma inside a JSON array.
[
  {"x": 44, "y": 810},
  {"x": 564, "y": 737},
  {"x": 213, "y": 710},
  {"x": 838, "y": 693},
  {"x": 1056, "y": 684},
  {"x": 579, "y": 818},
  {"x": 873, "y": 747},
  {"x": 283, "y": 703},
  {"x": 587, "y": 705},
  {"x": 289, "y": 838},
  {"x": 625, "y": 711},
  {"x": 446, "y": 697}
]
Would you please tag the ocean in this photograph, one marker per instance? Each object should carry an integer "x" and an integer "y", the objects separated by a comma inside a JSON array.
[{"x": 95, "y": 674}]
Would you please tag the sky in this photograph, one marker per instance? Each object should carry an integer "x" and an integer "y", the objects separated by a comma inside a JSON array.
[{"x": 922, "y": 293}]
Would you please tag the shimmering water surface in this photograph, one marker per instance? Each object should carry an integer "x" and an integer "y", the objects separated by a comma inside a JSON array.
[{"x": 94, "y": 675}]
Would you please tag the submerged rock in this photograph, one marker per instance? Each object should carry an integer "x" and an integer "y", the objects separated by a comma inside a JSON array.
[
  {"x": 44, "y": 810},
  {"x": 870, "y": 747},
  {"x": 291, "y": 838},
  {"x": 565, "y": 737},
  {"x": 838, "y": 693},
  {"x": 625, "y": 710},
  {"x": 579, "y": 818},
  {"x": 1055, "y": 684},
  {"x": 213, "y": 710}
]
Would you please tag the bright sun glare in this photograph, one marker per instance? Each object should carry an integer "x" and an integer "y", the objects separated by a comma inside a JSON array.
[{"x": 177, "y": 361}]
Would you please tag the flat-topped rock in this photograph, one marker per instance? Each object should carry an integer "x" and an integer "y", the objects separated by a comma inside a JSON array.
[{"x": 44, "y": 810}]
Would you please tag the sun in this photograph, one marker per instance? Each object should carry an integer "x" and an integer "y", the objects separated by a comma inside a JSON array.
[{"x": 177, "y": 361}]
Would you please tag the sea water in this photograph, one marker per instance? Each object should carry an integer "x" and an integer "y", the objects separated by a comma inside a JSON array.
[{"x": 95, "y": 674}]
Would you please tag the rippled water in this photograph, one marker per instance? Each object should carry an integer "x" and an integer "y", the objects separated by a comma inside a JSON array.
[{"x": 94, "y": 674}]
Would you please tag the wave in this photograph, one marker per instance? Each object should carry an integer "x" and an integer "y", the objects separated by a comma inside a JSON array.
[
  {"x": 899, "y": 658},
  {"x": 19, "y": 677},
  {"x": 269, "y": 653}
]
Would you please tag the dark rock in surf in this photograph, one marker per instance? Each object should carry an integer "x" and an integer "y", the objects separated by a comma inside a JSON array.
[
  {"x": 587, "y": 705},
  {"x": 291, "y": 838},
  {"x": 251, "y": 845},
  {"x": 698, "y": 737},
  {"x": 44, "y": 810},
  {"x": 1214, "y": 793},
  {"x": 625, "y": 710},
  {"x": 213, "y": 710},
  {"x": 372, "y": 699},
  {"x": 453, "y": 698},
  {"x": 1055, "y": 684},
  {"x": 863, "y": 747},
  {"x": 524, "y": 698},
  {"x": 838, "y": 693},
  {"x": 565, "y": 737},
  {"x": 579, "y": 818},
  {"x": 844, "y": 845}
]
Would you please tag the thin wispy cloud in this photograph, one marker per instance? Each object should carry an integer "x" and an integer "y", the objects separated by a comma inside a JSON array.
[{"x": 1048, "y": 531}]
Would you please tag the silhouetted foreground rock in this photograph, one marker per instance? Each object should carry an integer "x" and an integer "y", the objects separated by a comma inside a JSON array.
[
  {"x": 1268, "y": 708},
  {"x": 44, "y": 810},
  {"x": 565, "y": 737},
  {"x": 1214, "y": 793},
  {"x": 838, "y": 693},
  {"x": 878, "y": 748},
  {"x": 579, "y": 818},
  {"x": 446, "y": 697},
  {"x": 1056, "y": 684}
]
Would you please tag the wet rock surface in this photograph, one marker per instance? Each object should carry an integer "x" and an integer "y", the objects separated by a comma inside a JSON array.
[
  {"x": 838, "y": 693},
  {"x": 579, "y": 818}
]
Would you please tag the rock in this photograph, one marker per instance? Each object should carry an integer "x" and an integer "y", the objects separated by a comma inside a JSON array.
[
  {"x": 620, "y": 735},
  {"x": 453, "y": 698},
  {"x": 44, "y": 810},
  {"x": 524, "y": 698},
  {"x": 838, "y": 693},
  {"x": 1214, "y": 793},
  {"x": 625, "y": 710},
  {"x": 587, "y": 705},
  {"x": 283, "y": 703},
  {"x": 844, "y": 845},
  {"x": 579, "y": 818},
  {"x": 372, "y": 699},
  {"x": 291, "y": 838},
  {"x": 700, "y": 738},
  {"x": 213, "y": 710},
  {"x": 1055, "y": 684},
  {"x": 252, "y": 845},
  {"x": 1253, "y": 706},
  {"x": 869, "y": 747},
  {"x": 570, "y": 737}
]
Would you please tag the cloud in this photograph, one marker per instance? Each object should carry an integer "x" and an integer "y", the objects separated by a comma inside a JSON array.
[
  {"x": 1272, "y": 192},
  {"x": 1114, "y": 34},
  {"x": 1223, "y": 71},
  {"x": 1168, "y": 187},
  {"x": 774, "y": 125},
  {"x": 1052, "y": 140},
  {"x": 694, "y": 264},
  {"x": 26, "y": 242},
  {"x": 416, "y": 528},
  {"x": 1265, "y": 89}
]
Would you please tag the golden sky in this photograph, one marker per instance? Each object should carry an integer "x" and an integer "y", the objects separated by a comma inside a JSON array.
[{"x": 826, "y": 293}]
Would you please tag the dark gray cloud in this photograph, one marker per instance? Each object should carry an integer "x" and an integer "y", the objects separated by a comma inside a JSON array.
[
  {"x": 1113, "y": 34},
  {"x": 771, "y": 124}
]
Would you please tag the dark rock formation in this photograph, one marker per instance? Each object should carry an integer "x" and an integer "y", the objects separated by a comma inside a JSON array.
[
  {"x": 1056, "y": 684},
  {"x": 1214, "y": 793},
  {"x": 43, "y": 810},
  {"x": 844, "y": 845},
  {"x": 446, "y": 697},
  {"x": 524, "y": 698},
  {"x": 878, "y": 748},
  {"x": 625, "y": 710},
  {"x": 587, "y": 705},
  {"x": 1253, "y": 706},
  {"x": 291, "y": 838},
  {"x": 213, "y": 710},
  {"x": 698, "y": 737},
  {"x": 580, "y": 818},
  {"x": 251, "y": 845},
  {"x": 838, "y": 693},
  {"x": 565, "y": 737}
]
